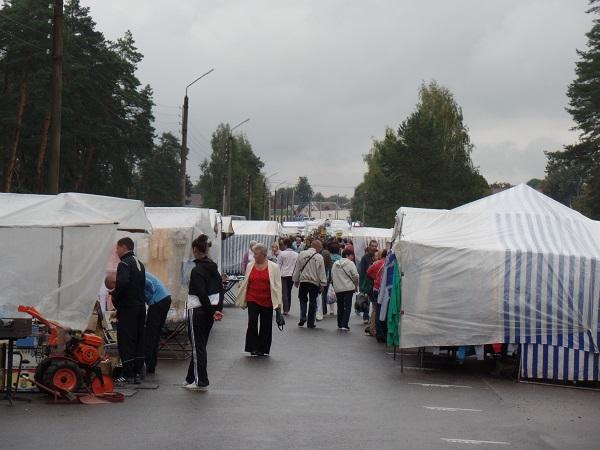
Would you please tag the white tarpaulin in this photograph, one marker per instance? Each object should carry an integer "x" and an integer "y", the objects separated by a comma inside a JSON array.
[
  {"x": 167, "y": 252},
  {"x": 55, "y": 250},
  {"x": 515, "y": 267},
  {"x": 235, "y": 246},
  {"x": 361, "y": 236}
]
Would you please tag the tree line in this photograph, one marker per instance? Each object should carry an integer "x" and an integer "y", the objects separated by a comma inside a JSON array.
[
  {"x": 573, "y": 173},
  {"x": 425, "y": 163}
]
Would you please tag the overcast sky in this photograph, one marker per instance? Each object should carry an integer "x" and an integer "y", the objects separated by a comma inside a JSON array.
[{"x": 320, "y": 79}]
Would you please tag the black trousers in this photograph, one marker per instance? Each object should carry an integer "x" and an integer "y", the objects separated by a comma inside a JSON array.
[
  {"x": 344, "y": 304},
  {"x": 155, "y": 319},
  {"x": 259, "y": 337},
  {"x": 130, "y": 336},
  {"x": 199, "y": 323},
  {"x": 287, "y": 284},
  {"x": 307, "y": 294},
  {"x": 324, "y": 298}
]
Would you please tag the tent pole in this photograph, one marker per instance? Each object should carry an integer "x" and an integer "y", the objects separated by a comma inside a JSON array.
[{"x": 60, "y": 267}]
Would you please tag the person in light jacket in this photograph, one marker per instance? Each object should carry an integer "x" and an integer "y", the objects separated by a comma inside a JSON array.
[
  {"x": 344, "y": 279},
  {"x": 260, "y": 292}
]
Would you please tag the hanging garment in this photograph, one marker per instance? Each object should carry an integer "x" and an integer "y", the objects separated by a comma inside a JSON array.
[
  {"x": 386, "y": 286},
  {"x": 394, "y": 309}
]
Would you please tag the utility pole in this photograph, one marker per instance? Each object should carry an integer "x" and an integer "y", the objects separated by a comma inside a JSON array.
[
  {"x": 364, "y": 207},
  {"x": 227, "y": 211},
  {"x": 184, "y": 130},
  {"x": 56, "y": 118},
  {"x": 227, "y": 207},
  {"x": 265, "y": 199},
  {"x": 184, "y": 148},
  {"x": 249, "y": 197}
]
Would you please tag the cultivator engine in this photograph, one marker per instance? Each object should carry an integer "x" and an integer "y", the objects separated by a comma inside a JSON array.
[{"x": 72, "y": 363}]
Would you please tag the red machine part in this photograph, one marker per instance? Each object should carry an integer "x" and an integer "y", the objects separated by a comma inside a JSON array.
[
  {"x": 102, "y": 385},
  {"x": 86, "y": 354}
]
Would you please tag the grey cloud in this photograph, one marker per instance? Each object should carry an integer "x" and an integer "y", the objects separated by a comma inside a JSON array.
[{"x": 318, "y": 79}]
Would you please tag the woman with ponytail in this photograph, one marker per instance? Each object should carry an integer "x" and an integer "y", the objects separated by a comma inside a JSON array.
[{"x": 204, "y": 306}]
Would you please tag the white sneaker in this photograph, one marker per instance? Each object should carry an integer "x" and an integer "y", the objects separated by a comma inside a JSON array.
[
  {"x": 319, "y": 317},
  {"x": 195, "y": 387},
  {"x": 345, "y": 329}
]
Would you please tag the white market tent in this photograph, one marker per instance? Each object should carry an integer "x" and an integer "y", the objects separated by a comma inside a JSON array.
[
  {"x": 515, "y": 267},
  {"x": 361, "y": 236},
  {"x": 244, "y": 231},
  {"x": 55, "y": 250},
  {"x": 167, "y": 251}
]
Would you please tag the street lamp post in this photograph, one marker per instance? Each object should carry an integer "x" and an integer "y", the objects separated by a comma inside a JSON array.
[
  {"x": 227, "y": 206},
  {"x": 184, "y": 127},
  {"x": 267, "y": 193}
]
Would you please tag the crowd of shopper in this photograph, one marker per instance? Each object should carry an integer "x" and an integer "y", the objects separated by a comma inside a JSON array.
[{"x": 325, "y": 271}]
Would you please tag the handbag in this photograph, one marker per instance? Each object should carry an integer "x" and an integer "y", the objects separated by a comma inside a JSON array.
[
  {"x": 361, "y": 304},
  {"x": 279, "y": 319}
]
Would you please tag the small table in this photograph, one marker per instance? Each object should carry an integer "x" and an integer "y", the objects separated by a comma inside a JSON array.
[
  {"x": 232, "y": 281},
  {"x": 12, "y": 330}
]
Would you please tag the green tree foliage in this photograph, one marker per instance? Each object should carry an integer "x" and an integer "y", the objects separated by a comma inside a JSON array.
[
  {"x": 247, "y": 179},
  {"x": 535, "y": 183},
  {"x": 304, "y": 192},
  {"x": 107, "y": 115},
  {"x": 427, "y": 163},
  {"x": 160, "y": 174},
  {"x": 573, "y": 174}
]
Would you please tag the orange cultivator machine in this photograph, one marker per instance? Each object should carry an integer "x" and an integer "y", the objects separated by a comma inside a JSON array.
[{"x": 71, "y": 369}]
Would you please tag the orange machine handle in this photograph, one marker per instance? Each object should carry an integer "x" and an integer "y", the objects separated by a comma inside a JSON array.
[{"x": 36, "y": 314}]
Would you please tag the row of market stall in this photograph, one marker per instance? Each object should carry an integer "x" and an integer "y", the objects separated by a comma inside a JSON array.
[
  {"x": 58, "y": 249},
  {"x": 515, "y": 267}
]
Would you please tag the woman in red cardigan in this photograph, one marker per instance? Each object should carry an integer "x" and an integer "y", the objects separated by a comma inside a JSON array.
[{"x": 260, "y": 292}]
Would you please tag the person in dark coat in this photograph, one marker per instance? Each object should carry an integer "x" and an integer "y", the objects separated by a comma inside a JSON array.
[{"x": 130, "y": 302}]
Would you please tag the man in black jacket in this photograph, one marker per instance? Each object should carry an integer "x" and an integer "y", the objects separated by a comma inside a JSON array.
[{"x": 130, "y": 302}]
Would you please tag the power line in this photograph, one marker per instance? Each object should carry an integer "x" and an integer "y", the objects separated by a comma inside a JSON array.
[
  {"x": 8, "y": 33},
  {"x": 5, "y": 17}
]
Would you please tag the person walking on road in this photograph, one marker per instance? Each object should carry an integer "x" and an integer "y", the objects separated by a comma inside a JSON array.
[
  {"x": 287, "y": 261},
  {"x": 158, "y": 299},
  {"x": 248, "y": 256},
  {"x": 130, "y": 302},
  {"x": 204, "y": 306},
  {"x": 344, "y": 281},
  {"x": 309, "y": 276},
  {"x": 260, "y": 292}
]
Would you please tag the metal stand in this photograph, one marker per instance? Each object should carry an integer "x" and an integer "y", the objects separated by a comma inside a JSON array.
[{"x": 9, "y": 367}]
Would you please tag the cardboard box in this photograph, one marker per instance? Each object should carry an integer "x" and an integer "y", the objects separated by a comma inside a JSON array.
[{"x": 25, "y": 383}]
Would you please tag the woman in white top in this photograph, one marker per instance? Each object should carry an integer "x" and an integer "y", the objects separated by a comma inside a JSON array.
[
  {"x": 344, "y": 279},
  {"x": 286, "y": 259}
]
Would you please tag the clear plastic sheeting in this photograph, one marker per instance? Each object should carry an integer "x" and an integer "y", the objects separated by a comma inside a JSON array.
[
  {"x": 55, "y": 250},
  {"x": 515, "y": 267},
  {"x": 361, "y": 236},
  {"x": 167, "y": 252},
  {"x": 246, "y": 231}
]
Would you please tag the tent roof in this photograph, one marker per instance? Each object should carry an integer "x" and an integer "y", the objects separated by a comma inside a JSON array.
[
  {"x": 372, "y": 232},
  {"x": 71, "y": 209},
  {"x": 519, "y": 218},
  {"x": 521, "y": 199},
  {"x": 269, "y": 227},
  {"x": 179, "y": 217}
]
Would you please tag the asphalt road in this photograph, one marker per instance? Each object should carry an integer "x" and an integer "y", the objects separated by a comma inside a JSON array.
[{"x": 320, "y": 388}]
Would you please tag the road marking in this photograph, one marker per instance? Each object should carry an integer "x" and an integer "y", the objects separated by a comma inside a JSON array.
[
  {"x": 441, "y": 385},
  {"x": 473, "y": 442},
  {"x": 443, "y": 408}
]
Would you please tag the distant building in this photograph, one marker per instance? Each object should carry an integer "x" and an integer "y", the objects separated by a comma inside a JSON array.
[
  {"x": 196, "y": 200},
  {"x": 326, "y": 210}
]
